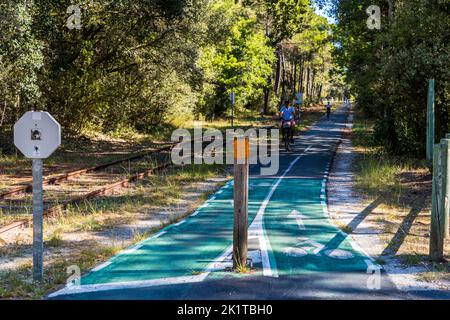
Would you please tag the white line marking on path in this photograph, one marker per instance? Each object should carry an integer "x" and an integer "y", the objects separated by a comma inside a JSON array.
[
  {"x": 179, "y": 223},
  {"x": 159, "y": 234},
  {"x": 132, "y": 249},
  {"x": 149, "y": 283},
  {"x": 213, "y": 266},
  {"x": 257, "y": 227},
  {"x": 195, "y": 213},
  {"x": 128, "y": 285},
  {"x": 103, "y": 265}
]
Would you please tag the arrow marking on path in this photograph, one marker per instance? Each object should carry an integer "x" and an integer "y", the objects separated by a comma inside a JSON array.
[
  {"x": 257, "y": 226},
  {"x": 299, "y": 218}
]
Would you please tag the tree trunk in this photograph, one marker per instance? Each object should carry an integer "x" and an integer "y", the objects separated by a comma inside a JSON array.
[
  {"x": 300, "y": 88},
  {"x": 294, "y": 80},
  {"x": 269, "y": 78},
  {"x": 308, "y": 73},
  {"x": 391, "y": 11},
  {"x": 283, "y": 65},
  {"x": 292, "y": 76},
  {"x": 17, "y": 108},
  {"x": 313, "y": 84},
  {"x": 278, "y": 72},
  {"x": 3, "y": 113},
  {"x": 266, "y": 100}
]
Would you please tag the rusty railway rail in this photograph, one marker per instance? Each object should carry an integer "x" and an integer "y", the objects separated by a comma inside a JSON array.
[
  {"x": 66, "y": 176},
  {"x": 28, "y": 187},
  {"x": 93, "y": 194},
  {"x": 105, "y": 190}
]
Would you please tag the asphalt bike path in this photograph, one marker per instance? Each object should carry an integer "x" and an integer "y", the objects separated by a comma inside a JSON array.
[{"x": 296, "y": 251}]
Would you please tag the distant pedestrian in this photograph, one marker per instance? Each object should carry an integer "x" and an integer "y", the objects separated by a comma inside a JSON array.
[
  {"x": 261, "y": 113},
  {"x": 328, "y": 110}
]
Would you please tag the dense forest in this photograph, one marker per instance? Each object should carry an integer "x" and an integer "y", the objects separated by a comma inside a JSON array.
[
  {"x": 142, "y": 63},
  {"x": 388, "y": 68}
]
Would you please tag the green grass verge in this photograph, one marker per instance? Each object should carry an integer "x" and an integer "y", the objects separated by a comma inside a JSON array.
[
  {"x": 19, "y": 284},
  {"x": 378, "y": 172}
]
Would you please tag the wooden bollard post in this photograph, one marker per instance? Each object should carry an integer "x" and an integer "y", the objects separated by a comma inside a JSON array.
[
  {"x": 240, "y": 230},
  {"x": 440, "y": 199},
  {"x": 445, "y": 152}
]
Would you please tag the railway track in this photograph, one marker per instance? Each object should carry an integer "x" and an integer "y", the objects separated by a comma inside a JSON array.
[
  {"x": 75, "y": 187},
  {"x": 28, "y": 187}
]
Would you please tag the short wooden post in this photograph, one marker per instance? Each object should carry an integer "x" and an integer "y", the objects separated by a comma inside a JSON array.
[
  {"x": 240, "y": 230},
  {"x": 440, "y": 199},
  {"x": 445, "y": 154},
  {"x": 430, "y": 122}
]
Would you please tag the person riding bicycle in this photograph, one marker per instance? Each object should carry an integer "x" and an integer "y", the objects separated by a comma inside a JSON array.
[
  {"x": 328, "y": 110},
  {"x": 287, "y": 114}
]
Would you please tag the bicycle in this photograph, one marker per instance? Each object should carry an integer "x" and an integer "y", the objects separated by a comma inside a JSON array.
[{"x": 286, "y": 134}]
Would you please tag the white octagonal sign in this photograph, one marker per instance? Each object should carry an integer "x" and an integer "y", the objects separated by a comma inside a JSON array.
[{"x": 37, "y": 135}]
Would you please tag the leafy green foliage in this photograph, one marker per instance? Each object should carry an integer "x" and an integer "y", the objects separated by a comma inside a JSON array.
[
  {"x": 20, "y": 59},
  {"x": 240, "y": 63},
  {"x": 285, "y": 18},
  {"x": 144, "y": 64},
  {"x": 389, "y": 69}
]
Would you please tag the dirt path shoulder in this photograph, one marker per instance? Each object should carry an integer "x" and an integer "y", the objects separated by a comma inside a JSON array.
[{"x": 396, "y": 237}]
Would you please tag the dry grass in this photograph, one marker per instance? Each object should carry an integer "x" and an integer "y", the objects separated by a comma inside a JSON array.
[
  {"x": 309, "y": 116},
  {"x": 92, "y": 148},
  {"x": 402, "y": 189},
  {"x": 18, "y": 283}
]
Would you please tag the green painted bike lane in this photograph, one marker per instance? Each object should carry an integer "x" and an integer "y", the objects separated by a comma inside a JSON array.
[
  {"x": 286, "y": 212},
  {"x": 302, "y": 238},
  {"x": 182, "y": 249}
]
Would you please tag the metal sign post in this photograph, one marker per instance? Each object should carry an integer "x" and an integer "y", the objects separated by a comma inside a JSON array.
[
  {"x": 299, "y": 96},
  {"x": 240, "y": 230},
  {"x": 38, "y": 221},
  {"x": 37, "y": 135}
]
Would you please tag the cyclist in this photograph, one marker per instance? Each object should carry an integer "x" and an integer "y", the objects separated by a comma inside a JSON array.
[{"x": 287, "y": 114}]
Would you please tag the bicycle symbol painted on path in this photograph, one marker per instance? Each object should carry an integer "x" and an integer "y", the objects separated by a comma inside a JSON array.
[{"x": 310, "y": 247}]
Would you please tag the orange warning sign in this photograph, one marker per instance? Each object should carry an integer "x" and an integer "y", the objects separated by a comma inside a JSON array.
[{"x": 241, "y": 148}]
